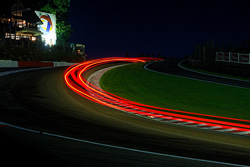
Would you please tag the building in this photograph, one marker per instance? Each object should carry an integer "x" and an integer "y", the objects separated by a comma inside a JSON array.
[
  {"x": 18, "y": 27},
  {"x": 79, "y": 49},
  {"x": 27, "y": 28}
]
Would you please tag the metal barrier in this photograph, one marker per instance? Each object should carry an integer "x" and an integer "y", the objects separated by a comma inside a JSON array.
[{"x": 243, "y": 58}]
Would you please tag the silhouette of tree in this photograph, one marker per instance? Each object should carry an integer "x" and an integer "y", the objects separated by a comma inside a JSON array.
[{"x": 60, "y": 9}]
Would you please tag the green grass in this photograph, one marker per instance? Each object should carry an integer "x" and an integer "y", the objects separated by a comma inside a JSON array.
[{"x": 137, "y": 84}]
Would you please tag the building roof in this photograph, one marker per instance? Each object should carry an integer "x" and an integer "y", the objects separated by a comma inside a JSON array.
[
  {"x": 27, "y": 30},
  {"x": 5, "y": 9},
  {"x": 31, "y": 17}
]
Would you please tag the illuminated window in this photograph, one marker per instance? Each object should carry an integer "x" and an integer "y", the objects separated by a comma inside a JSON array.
[
  {"x": 17, "y": 9},
  {"x": 20, "y": 23},
  {"x": 12, "y": 36},
  {"x": 18, "y": 37},
  {"x": 33, "y": 38},
  {"x": 7, "y": 35},
  {"x": 25, "y": 36}
]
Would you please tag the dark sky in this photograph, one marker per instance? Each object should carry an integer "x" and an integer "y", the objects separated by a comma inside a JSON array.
[{"x": 110, "y": 28}]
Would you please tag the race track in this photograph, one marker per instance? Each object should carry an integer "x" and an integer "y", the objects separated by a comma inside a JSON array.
[
  {"x": 40, "y": 100},
  {"x": 172, "y": 68}
]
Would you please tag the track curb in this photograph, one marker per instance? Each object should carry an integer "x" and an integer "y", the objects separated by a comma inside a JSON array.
[{"x": 158, "y": 117}]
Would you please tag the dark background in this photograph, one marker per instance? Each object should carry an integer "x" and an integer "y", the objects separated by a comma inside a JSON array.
[{"x": 172, "y": 28}]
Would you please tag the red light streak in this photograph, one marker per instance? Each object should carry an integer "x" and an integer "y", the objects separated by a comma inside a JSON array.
[{"x": 74, "y": 79}]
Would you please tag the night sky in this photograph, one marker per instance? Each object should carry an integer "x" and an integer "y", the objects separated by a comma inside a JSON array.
[{"x": 110, "y": 28}]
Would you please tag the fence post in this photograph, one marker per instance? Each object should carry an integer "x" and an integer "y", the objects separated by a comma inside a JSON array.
[
  {"x": 229, "y": 57},
  {"x": 238, "y": 57},
  {"x": 204, "y": 53}
]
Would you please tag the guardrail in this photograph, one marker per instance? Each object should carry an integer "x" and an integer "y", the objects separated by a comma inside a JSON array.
[
  {"x": 10, "y": 63},
  {"x": 243, "y": 58}
]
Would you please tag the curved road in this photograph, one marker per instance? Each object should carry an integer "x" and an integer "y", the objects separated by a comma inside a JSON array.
[
  {"x": 171, "y": 67},
  {"x": 41, "y": 101}
]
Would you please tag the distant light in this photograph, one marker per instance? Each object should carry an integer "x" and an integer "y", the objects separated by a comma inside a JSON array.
[{"x": 33, "y": 38}]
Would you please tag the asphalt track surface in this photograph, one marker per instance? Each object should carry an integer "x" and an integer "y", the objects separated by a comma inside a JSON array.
[
  {"x": 40, "y": 100},
  {"x": 171, "y": 67}
]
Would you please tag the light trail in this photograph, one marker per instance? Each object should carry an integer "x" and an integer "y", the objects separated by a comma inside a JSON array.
[{"x": 74, "y": 79}]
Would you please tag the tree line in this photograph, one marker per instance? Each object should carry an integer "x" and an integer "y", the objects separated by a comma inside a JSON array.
[
  {"x": 142, "y": 54},
  {"x": 158, "y": 55}
]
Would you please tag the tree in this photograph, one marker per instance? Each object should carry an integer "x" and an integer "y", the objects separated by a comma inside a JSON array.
[{"x": 60, "y": 9}]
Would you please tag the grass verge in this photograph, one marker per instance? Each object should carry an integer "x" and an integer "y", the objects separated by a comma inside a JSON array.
[{"x": 135, "y": 83}]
